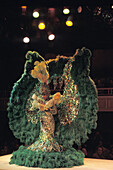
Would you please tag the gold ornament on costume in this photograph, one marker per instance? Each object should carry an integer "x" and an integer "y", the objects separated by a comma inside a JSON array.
[
  {"x": 40, "y": 71},
  {"x": 70, "y": 104}
]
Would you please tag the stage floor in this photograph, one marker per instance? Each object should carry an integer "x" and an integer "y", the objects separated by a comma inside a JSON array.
[{"x": 89, "y": 164}]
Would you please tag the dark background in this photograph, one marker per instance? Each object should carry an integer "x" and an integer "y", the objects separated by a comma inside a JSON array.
[{"x": 90, "y": 30}]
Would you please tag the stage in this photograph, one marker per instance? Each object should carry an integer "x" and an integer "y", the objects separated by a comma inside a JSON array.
[{"x": 89, "y": 164}]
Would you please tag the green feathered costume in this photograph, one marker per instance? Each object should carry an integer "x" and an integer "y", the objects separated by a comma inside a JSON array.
[{"x": 77, "y": 131}]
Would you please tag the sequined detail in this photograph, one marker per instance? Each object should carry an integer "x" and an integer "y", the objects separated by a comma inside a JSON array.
[
  {"x": 70, "y": 102},
  {"x": 41, "y": 107}
]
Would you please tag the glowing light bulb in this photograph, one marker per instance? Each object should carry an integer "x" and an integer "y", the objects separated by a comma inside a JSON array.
[
  {"x": 66, "y": 11},
  {"x": 35, "y": 14},
  {"x": 26, "y": 40},
  {"x": 69, "y": 23},
  {"x": 51, "y": 37},
  {"x": 79, "y": 9},
  {"x": 24, "y": 7},
  {"x": 41, "y": 26}
]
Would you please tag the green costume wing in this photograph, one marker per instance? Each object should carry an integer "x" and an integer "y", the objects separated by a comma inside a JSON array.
[
  {"x": 23, "y": 129},
  {"x": 86, "y": 119}
]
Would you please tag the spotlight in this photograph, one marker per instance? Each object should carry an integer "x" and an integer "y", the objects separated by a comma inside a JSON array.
[
  {"x": 79, "y": 9},
  {"x": 41, "y": 26},
  {"x": 69, "y": 21},
  {"x": 51, "y": 37},
  {"x": 35, "y": 14},
  {"x": 66, "y": 11},
  {"x": 51, "y": 12},
  {"x": 26, "y": 39},
  {"x": 24, "y": 9}
]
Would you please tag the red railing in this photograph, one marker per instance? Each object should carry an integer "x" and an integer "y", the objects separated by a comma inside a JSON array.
[{"x": 105, "y": 99}]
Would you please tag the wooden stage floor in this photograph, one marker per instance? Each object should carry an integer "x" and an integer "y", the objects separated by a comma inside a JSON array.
[{"x": 89, "y": 164}]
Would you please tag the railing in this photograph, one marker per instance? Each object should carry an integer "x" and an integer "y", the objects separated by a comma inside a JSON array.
[
  {"x": 105, "y": 103},
  {"x": 105, "y": 91},
  {"x": 105, "y": 99}
]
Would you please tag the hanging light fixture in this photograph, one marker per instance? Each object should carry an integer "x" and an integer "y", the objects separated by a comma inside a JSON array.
[
  {"x": 36, "y": 13},
  {"x": 69, "y": 21},
  {"x": 66, "y": 10},
  {"x": 51, "y": 37},
  {"x": 26, "y": 39},
  {"x": 79, "y": 9},
  {"x": 51, "y": 12},
  {"x": 24, "y": 9},
  {"x": 41, "y": 26}
]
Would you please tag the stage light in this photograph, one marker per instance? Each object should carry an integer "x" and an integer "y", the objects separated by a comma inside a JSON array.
[
  {"x": 24, "y": 9},
  {"x": 66, "y": 11},
  {"x": 79, "y": 9},
  {"x": 51, "y": 12},
  {"x": 51, "y": 37},
  {"x": 41, "y": 26},
  {"x": 35, "y": 14},
  {"x": 69, "y": 21},
  {"x": 26, "y": 39}
]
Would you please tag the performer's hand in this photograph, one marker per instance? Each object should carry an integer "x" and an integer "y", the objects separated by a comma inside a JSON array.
[{"x": 34, "y": 97}]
